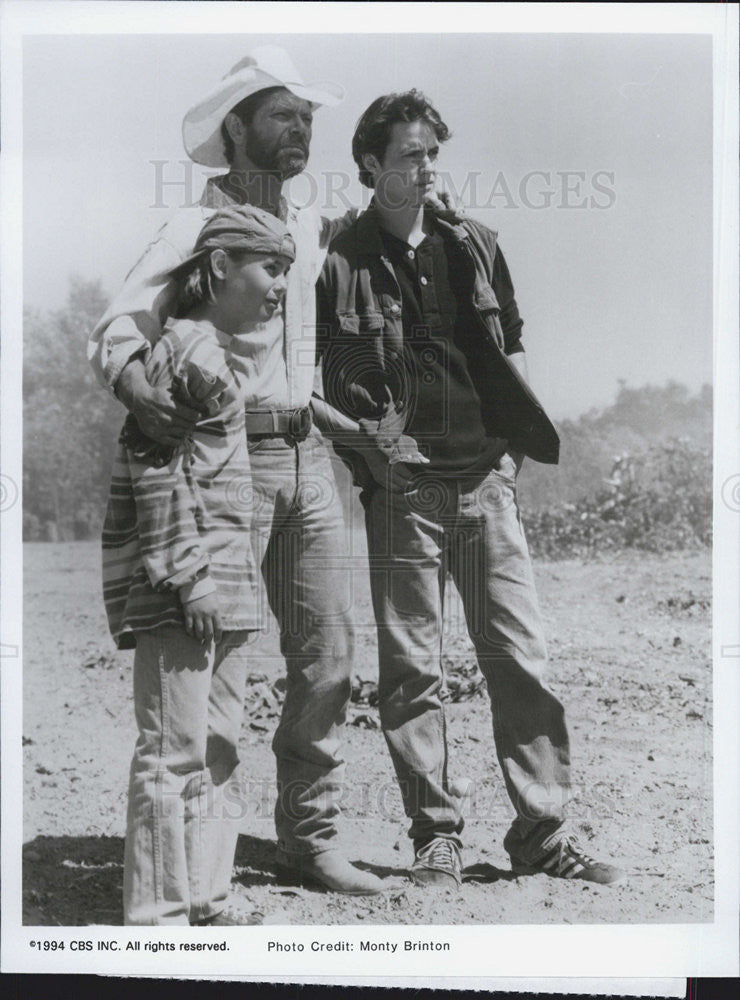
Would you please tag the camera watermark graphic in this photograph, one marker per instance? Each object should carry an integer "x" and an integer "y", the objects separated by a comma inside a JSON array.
[
  {"x": 730, "y": 493},
  {"x": 8, "y": 492}
]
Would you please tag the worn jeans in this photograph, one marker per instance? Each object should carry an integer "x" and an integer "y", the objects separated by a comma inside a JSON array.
[
  {"x": 476, "y": 535},
  {"x": 298, "y": 537},
  {"x": 184, "y": 796}
]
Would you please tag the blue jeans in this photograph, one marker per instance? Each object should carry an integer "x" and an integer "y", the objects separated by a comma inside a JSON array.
[
  {"x": 298, "y": 537},
  {"x": 184, "y": 804},
  {"x": 185, "y": 797},
  {"x": 476, "y": 534}
]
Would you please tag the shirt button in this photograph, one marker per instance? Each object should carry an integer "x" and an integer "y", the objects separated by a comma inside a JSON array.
[
  {"x": 410, "y": 254},
  {"x": 395, "y": 308},
  {"x": 423, "y": 280}
]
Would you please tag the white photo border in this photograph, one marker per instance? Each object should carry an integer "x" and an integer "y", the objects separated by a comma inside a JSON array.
[{"x": 674, "y": 950}]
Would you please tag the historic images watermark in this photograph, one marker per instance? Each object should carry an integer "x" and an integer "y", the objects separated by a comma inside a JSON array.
[
  {"x": 249, "y": 796},
  {"x": 179, "y": 183}
]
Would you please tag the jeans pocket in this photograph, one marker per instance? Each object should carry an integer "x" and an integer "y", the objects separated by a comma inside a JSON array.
[{"x": 255, "y": 445}]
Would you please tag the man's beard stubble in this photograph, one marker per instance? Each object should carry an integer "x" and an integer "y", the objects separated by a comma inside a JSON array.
[{"x": 286, "y": 163}]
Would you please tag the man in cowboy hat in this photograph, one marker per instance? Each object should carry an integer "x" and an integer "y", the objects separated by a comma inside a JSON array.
[{"x": 257, "y": 122}]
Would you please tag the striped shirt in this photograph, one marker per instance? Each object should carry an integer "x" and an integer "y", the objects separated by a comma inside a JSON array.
[{"x": 180, "y": 531}]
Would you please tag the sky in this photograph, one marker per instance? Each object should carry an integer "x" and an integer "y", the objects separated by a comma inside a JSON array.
[{"x": 591, "y": 155}]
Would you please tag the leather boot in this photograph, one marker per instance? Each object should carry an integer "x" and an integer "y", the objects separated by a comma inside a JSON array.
[{"x": 328, "y": 870}]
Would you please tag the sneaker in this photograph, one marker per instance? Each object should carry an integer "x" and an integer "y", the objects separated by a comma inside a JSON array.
[
  {"x": 327, "y": 870},
  {"x": 565, "y": 858},
  {"x": 438, "y": 862}
]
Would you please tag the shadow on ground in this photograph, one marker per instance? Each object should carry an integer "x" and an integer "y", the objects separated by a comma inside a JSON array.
[
  {"x": 487, "y": 873},
  {"x": 78, "y": 881},
  {"x": 72, "y": 881},
  {"x": 255, "y": 864}
]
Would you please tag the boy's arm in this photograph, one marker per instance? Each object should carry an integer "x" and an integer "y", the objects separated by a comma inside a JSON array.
[
  {"x": 169, "y": 506},
  {"x": 167, "y": 513},
  {"x": 168, "y": 509}
]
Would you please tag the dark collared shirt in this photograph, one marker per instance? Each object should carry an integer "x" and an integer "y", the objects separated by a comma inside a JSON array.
[{"x": 440, "y": 382}]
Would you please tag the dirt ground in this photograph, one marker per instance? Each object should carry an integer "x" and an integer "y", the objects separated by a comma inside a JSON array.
[{"x": 629, "y": 641}]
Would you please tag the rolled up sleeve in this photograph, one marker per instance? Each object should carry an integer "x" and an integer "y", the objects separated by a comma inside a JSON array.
[
  {"x": 511, "y": 321},
  {"x": 133, "y": 322}
]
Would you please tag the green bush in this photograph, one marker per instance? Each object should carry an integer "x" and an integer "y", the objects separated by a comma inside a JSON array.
[{"x": 657, "y": 501}]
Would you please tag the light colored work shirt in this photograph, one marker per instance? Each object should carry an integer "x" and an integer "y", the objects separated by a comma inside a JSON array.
[{"x": 281, "y": 353}]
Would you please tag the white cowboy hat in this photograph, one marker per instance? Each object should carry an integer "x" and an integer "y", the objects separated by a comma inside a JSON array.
[{"x": 266, "y": 66}]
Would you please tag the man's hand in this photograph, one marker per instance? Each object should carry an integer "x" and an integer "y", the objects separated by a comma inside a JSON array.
[
  {"x": 202, "y": 619},
  {"x": 393, "y": 477},
  {"x": 393, "y": 468},
  {"x": 159, "y": 416},
  {"x": 446, "y": 205}
]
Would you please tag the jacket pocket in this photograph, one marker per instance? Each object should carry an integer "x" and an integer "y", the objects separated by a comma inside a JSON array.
[
  {"x": 355, "y": 324},
  {"x": 352, "y": 370}
]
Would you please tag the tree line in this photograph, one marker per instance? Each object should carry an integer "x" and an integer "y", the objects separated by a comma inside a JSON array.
[{"x": 634, "y": 473}]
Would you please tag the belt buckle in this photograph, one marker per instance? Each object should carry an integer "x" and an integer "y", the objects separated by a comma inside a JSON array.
[{"x": 300, "y": 423}]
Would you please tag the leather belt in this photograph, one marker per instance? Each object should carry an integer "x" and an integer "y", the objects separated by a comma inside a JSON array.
[{"x": 295, "y": 424}]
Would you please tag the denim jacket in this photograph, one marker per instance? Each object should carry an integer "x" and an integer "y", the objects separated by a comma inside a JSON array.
[{"x": 360, "y": 336}]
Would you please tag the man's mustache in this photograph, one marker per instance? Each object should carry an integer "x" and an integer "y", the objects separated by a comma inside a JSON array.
[{"x": 295, "y": 144}]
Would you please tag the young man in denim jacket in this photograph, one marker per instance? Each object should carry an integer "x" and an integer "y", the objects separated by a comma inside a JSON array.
[{"x": 420, "y": 339}]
